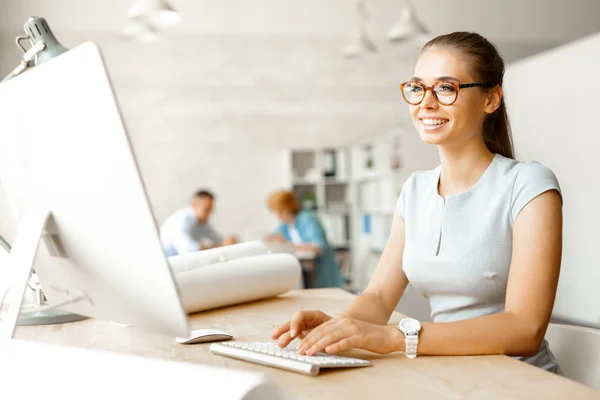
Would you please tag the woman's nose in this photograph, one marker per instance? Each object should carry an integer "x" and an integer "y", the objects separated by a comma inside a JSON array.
[{"x": 429, "y": 102}]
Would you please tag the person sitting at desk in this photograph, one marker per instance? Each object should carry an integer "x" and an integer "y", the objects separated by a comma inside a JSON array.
[
  {"x": 480, "y": 235},
  {"x": 305, "y": 231},
  {"x": 188, "y": 229}
]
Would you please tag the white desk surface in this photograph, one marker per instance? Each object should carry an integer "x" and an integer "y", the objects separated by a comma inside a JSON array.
[
  {"x": 391, "y": 377},
  {"x": 303, "y": 255}
]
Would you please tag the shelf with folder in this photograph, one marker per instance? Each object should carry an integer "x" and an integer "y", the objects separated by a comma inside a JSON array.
[
  {"x": 335, "y": 181},
  {"x": 304, "y": 182},
  {"x": 348, "y": 182},
  {"x": 320, "y": 178}
]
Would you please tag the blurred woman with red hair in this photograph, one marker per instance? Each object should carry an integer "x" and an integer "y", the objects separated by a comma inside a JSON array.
[{"x": 304, "y": 230}]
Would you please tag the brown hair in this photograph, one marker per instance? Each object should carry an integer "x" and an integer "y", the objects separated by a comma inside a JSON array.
[
  {"x": 200, "y": 194},
  {"x": 283, "y": 200},
  {"x": 487, "y": 66}
]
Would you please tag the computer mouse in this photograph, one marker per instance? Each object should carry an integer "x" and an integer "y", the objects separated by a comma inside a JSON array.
[{"x": 203, "y": 336}]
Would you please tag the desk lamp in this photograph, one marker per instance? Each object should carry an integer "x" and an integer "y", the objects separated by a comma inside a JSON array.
[{"x": 44, "y": 47}]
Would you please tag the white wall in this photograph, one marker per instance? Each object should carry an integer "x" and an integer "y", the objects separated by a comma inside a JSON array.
[
  {"x": 553, "y": 102},
  {"x": 218, "y": 112}
]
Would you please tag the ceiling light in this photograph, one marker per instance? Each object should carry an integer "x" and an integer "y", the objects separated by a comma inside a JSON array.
[
  {"x": 361, "y": 42},
  {"x": 158, "y": 13},
  {"x": 141, "y": 30},
  {"x": 147, "y": 18},
  {"x": 408, "y": 27}
]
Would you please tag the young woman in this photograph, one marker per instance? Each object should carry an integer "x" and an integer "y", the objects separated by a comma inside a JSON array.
[
  {"x": 304, "y": 230},
  {"x": 480, "y": 236}
]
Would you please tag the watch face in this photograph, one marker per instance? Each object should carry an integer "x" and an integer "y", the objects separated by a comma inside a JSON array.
[{"x": 410, "y": 326}]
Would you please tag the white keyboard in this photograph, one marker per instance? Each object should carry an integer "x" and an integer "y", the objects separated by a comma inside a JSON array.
[{"x": 270, "y": 354}]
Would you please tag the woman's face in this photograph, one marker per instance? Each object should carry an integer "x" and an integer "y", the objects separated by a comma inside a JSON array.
[
  {"x": 461, "y": 122},
  {"x": 284, "y": 216}
]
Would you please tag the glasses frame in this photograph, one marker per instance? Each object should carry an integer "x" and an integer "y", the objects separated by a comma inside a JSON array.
[{"x": 457, "y": 86}]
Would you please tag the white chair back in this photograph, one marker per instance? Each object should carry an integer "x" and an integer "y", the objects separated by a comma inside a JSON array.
[{"x": 577, "y": 350}]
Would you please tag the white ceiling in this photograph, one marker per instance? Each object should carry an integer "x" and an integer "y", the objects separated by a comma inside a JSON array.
[{"x": 539, "y": 21}]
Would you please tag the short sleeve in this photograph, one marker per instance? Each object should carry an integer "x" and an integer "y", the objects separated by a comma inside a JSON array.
[
  {"x": 403, "y": 198},
  {"x": 312, "y": 231},
  {"x": 181, "y": 238},
  {"x": 532, "y": 180}
]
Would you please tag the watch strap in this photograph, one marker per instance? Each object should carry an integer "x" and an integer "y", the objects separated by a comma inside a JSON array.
[{"x": 411, "y": 345}]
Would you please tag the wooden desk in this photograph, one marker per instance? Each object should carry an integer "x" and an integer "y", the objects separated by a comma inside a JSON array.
[{"x": 391, "y": 377}]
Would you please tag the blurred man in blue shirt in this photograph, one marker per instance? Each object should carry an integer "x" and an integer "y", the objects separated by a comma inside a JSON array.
[{"x": 188, "y": 229}]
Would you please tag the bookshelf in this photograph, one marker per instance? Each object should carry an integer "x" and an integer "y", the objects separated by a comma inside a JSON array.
[
  {"x": 378, "y": 173},
  {"x": 353, "y": 189},
  {"x": 320, "y": 179}
]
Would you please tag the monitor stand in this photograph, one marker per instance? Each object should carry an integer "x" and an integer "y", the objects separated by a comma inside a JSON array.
[{"x": 20, "y": 267}]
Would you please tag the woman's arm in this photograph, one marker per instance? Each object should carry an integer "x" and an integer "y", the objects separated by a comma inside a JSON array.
[
  {"x": 519, "y": 330},
  {"x": 374, "y": 306},
  {"x": 277, "y": 236},
  {"x": 312, "y": 232},
  {"x": 309, "y": 247},
  {"x": 388, "y": 283},
  {"x": 532, "y": 283}
]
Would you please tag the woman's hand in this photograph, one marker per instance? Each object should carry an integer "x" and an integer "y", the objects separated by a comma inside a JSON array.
[
  {"x": 229, "y": 240},
  {"x": 342, "y": 333},
  {"x": 276, "y": 238},
  {"x": 302, "y": 323},
  {"x": 312, "y": 248}
]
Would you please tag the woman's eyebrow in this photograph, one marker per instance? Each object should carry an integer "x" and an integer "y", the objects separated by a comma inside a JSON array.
[
  {"x": 448, "y": 78},
  {"x": 439, "y": 79}
]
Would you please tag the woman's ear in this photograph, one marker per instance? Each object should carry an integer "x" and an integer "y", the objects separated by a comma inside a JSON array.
[{"x": 494, "y": 98}]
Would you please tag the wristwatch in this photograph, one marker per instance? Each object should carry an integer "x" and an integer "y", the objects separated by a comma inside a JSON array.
[{"x": 411, "y": 328}]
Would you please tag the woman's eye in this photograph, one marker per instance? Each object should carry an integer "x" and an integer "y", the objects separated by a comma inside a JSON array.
[
  {"x": 445, "y": 88},
  {"x": 415, "y": 89}
]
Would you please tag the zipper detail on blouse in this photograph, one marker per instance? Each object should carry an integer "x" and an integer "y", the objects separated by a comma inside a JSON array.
[{"x": 439, "y": 244}]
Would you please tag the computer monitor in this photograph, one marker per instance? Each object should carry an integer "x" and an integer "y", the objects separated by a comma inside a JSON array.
[{"x": 65, "y": 153}]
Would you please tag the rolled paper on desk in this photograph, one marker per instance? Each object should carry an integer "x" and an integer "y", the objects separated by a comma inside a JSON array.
[
  {"x": 189, "y": 261},
  {"x": 237, "y": 281}
]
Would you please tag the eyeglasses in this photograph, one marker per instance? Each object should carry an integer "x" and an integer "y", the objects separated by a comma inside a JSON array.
[{"x": 444, "y": 93}]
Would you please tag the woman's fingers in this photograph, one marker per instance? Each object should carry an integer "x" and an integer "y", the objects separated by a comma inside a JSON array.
[
  {"x": 328, "y": 338},
  {"x": 332, "y": 332},
  {"x": 306, "y": 320},
  {"x": 284, "y": 340},
  {"x": 287, "y": 338},
  {"x": 280, "y": 330},
  {"x": 344, "y": 344},
  {"x": 316, "y": 334},
  {"x": 343, "y": 333},
  {"x": 300, "y": 325}
]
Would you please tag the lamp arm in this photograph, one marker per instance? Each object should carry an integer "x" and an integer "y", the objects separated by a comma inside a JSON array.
[
  {"x": 4, "y": 244},
  {"x": 26, "y": 61}
]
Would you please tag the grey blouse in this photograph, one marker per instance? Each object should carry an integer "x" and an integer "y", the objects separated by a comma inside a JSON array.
[{"x": 458, "y": 249}]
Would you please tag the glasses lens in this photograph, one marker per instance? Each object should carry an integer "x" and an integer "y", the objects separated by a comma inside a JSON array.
[
  {"x": 413, "y": 92},
  {"x": 445, "y": 93}
]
